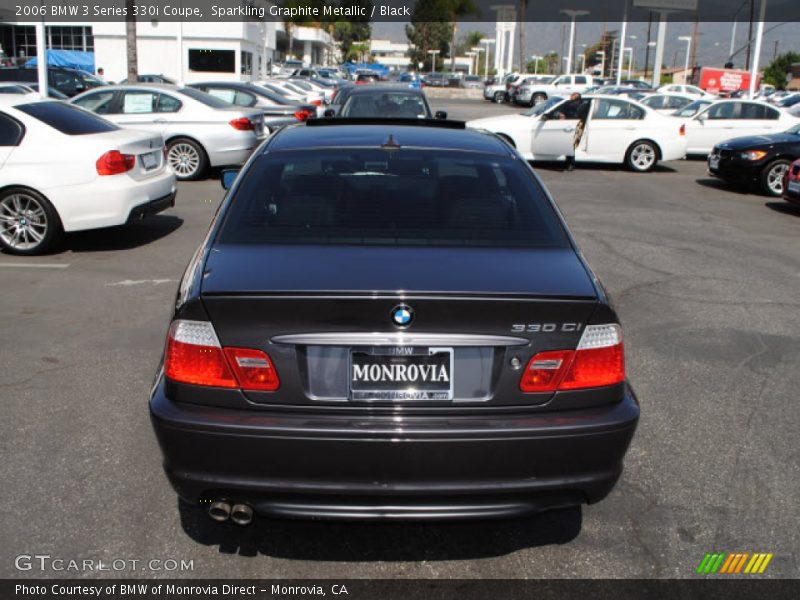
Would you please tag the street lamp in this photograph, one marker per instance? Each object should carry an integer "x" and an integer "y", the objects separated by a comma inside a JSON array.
[
  {"x": 572, "y": 14},
  {"x": 688, "y": 40},
  {"x": 536, "y": 58},
  {"x": 486, "y": 69},
  {"x": 603, "y": 63},
  {"x": 477, "y": 50},
  {"x": 433, "y": 59},
  {"x": 470, "y": 55}
]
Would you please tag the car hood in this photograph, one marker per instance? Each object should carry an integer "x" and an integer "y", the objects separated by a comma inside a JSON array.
[{"x": 759, "y": 141}]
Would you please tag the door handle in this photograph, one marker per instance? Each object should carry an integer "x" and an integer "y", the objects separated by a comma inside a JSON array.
[
  {"x": 569, "y": 129},
  {"x": 159, "y": 121},
  {"x": 631, "y": 128}
]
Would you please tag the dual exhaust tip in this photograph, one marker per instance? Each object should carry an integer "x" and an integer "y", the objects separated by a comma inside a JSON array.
[{"x": 222, "y": 510}]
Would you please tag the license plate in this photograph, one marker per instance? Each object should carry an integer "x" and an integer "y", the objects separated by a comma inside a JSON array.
[
  {"x": 150, "y": 160},
  {"x": 713, "y": 162},
  {"x": 794, "y": 187},
  {"x": 401, "y": 373}
]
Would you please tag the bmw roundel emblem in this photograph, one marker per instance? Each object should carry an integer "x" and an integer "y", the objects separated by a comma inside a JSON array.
[{"x": 402, "y": 315}]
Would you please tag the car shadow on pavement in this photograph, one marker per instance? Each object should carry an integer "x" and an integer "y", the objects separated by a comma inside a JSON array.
[
  {"x": 126, "y": 237},
  {"x": 560, "y": 166},
  {"x": 366, "y": 542},
  {"x": 723, "y": 186},
  {"x": 784, "y": 207}
]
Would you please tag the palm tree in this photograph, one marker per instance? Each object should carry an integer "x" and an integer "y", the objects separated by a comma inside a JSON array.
[
  {"x": 457, "y": 9},
  {"x": 130, "y": 42}
]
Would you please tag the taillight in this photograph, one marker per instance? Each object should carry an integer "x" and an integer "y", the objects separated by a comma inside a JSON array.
[
  {"x": 682, "y": 130},
  {"x": 302, "y": 115},
  {"x": 243, "y": 124},
  {"x": 598, "y": 361},
  {"x": 316, "y": 102},
  {"x": 114, "y": 162},
  {"x": 194, "y": 355}
]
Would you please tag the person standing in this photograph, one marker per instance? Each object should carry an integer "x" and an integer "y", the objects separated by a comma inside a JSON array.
[{"x": 578, "y": 110}]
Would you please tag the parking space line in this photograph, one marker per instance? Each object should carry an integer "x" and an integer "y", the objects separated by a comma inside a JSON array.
[{"x": 34, "y": 265}]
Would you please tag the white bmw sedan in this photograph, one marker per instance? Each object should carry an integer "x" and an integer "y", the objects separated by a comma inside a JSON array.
[
  {"x": 200, "y": 130},
  {"x": 617, "y": 131},
  {"x": 63, "y": 169},
  {"x": 729, "y": 119}
]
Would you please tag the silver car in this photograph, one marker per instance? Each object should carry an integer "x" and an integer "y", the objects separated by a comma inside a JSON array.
[{"x": 200, "y": 131}]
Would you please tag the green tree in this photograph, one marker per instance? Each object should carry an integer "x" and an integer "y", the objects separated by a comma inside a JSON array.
[
  {"x": 357, "y": 29},
  {"x": 430, "y": 29},
  {"x": 457, "y": 9},
  {"x": 777, "y": 70}
]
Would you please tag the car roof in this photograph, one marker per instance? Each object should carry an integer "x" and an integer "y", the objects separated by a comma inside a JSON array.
[
  {"x": 372, "y": 134},
  {"x": 380, "y": 89}
]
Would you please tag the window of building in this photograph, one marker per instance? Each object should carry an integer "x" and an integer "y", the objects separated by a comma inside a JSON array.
[
  {"x": 216, "y": 61},
  {"x": 247, "y": 63}
]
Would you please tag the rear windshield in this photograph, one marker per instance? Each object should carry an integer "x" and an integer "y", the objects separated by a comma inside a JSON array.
[
  {"x": 204, "y": 98},
  {"x": 68, "y": 119},
  {"x": 405, "y": 197},
  {"x": 385, "y": 105}
]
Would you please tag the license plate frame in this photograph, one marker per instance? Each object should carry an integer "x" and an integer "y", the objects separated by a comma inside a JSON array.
[
  {"x": 149, "y": 160},
  {"x": 713, "y": 162},
  {"x": 793, "y": 187},
  {"x": 398, "y": 392}
]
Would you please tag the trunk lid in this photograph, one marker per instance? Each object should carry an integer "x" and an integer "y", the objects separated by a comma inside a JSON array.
[{"x": 310, "y": 308}]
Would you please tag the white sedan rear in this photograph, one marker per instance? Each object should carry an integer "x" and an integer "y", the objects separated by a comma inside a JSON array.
[
  {"x": 617, "y": 131},
  {"x": 65, "y": 169}
]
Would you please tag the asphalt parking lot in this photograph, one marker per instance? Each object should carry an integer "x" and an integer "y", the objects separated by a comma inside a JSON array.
[{"x": 706, "y": 280}]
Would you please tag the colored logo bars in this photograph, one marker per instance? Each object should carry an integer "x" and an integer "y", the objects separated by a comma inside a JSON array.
[{"x": 734, "y": 563}]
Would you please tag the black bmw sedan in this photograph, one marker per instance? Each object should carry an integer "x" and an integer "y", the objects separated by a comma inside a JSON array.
[
  {"x": 760, "y": 160},
  {"x": 390, "y": 320}
]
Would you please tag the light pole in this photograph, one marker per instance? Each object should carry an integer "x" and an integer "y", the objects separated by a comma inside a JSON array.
[
  {"x": 688, "y": 40},
  {"x": 757, "y": 52},
  {"x": 603, "y": 63},
  {"x": 471, "y": 56},
  {"x": 536, "y": 58},
  {"x": 572, "y": 14},
  {"x": 477, "y": 50},
  {"x": 433, "y": 54},
  {"x": 630, "y": 60},
  {"x": 486, "y": 69}
]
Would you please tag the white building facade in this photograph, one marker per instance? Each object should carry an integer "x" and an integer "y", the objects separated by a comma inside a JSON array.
[{"x": 240, "y": 51}]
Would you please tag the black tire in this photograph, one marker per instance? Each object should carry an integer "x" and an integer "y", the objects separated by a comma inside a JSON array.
[
  {"x": 642, "y": 156},
  {"x": 771, "y": 179},
  {"x": 499, "y": 97},
  {"x": 187, "y": 158},
  {"x": 29, "y": 224},
  {"x": 537, "y": 98}
]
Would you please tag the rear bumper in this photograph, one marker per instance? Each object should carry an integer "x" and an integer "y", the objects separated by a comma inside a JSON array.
[{"x": 360, "y": 467}]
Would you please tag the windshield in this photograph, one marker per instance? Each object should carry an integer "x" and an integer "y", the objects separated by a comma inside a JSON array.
[
  {"x": 543, "y": 107},
  {"x": 66, "y": 118},
  {"x": 399, "y": 197},
  {"x": 204, "y": 98}
]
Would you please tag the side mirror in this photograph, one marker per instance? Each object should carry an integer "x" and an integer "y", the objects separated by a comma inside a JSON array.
[
  {"x": 546, "y": 117},
  {"x": 702, "y": 117},
  {"x": 228, "y": 177},
  {"x": 440, "y": 114},
  {"x": 329, "y": 112}
]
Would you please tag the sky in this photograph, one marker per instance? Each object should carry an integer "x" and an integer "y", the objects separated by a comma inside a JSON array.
[{"x": 713, "y": 46}]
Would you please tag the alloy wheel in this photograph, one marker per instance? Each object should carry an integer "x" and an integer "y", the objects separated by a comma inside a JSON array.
[
  {"x": 184, "y": 159},
  {"x": 23, "y": 221}
]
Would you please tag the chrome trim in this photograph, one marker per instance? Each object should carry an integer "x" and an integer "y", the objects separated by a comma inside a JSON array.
[{"x": 449, "y": 340}]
